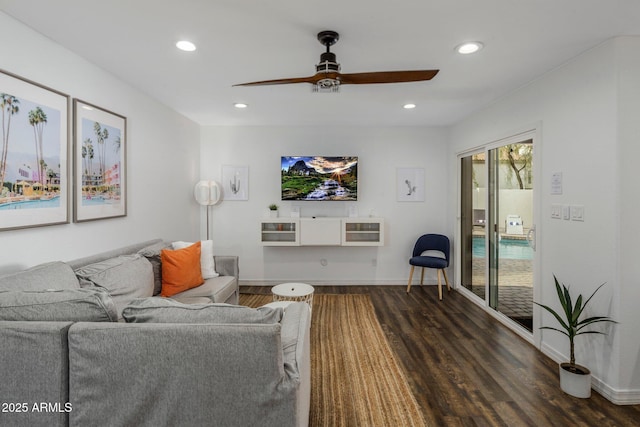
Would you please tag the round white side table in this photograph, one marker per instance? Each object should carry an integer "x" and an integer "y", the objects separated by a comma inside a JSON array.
[{"x": 293, "y": 292}]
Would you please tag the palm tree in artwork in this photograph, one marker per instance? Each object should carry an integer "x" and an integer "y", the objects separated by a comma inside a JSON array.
[
  {"x": 10, "y": 106},
  {"x": 87, "y": 158},
  {"x": 37, "y": 119},
  {"x": 50, "y": 175},
  {"x": 102, "y": 135}
]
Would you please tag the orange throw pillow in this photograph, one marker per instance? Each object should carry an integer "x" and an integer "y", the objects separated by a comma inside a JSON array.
[{"x": 180, "y": 270}]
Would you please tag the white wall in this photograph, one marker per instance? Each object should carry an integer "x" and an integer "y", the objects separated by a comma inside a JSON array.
[
  {"x": 235, "y": 224},
  {"x": 588, "y": 130},
  {"x": 162, "y": 156},
  {"x": 628, "y": 207}
]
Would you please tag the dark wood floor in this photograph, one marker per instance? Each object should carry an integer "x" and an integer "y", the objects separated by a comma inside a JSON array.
[{"x": 467, "y": 369}]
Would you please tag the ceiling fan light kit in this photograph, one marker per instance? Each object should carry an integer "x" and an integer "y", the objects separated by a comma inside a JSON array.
[{"x": 328, "y": 77}]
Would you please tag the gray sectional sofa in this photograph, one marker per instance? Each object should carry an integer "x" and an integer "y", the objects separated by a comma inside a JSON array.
[{"x": 85, "y": 343}]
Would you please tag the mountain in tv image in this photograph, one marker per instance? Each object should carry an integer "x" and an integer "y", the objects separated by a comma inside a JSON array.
[{"x": 319, "y": 178}]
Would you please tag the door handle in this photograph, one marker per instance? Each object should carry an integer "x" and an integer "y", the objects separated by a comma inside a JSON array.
[{"x": 531, "y": 237}]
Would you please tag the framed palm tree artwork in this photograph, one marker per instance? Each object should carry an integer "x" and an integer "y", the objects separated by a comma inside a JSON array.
[
  {"x": 99, "y": 157},
  {"x": 34, "y": 183}
]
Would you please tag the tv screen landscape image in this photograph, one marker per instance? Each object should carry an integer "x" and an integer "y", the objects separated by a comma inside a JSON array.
[{"x": 319, "y": 178}]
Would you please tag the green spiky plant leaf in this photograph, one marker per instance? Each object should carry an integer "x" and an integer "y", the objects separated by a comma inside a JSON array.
[{"x": 569, "y": 319}]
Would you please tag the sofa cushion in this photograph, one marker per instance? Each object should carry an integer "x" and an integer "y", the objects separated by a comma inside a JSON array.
[
  {"x": 152, "y": 253},
  {"x": 180, "y": 269},
  {"x": 162, "y": 310},
  {"x": 125, "y": 277},
  {"x": 34, "y": 367},
  {"x": 217, "y": 289},
  {"x": 51, "y": 275},
  {"x": 207, "y": 262},
  {"x": 64, "y": 305}
]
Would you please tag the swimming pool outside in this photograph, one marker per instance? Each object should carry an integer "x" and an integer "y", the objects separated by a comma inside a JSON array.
[{"x": 508, "y": 249}]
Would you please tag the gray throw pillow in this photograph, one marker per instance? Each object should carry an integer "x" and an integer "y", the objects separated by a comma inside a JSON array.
[
  {"x": 152, "y": 253},
  {"x": 126, "y": 277},
  {"x": 165, "y": 310},
  {"x": 64, "y": 305},
  {"x": 51, "y": 275}
]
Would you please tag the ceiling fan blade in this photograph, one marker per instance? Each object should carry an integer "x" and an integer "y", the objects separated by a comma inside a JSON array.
[
  {"x": 387, "y": 77},
  {"x": 311, "y": 79}
]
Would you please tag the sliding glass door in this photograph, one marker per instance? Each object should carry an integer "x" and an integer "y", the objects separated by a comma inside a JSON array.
[
  {"x": 497, "y": 229},
  {"x": 473, "y": 223}
]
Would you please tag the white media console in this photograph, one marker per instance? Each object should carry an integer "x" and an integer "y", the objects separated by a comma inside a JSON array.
[{"x": 322, "y": 231}]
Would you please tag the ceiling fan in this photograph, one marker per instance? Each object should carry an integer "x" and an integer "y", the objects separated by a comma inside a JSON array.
[{"x": 328, "y": 77}]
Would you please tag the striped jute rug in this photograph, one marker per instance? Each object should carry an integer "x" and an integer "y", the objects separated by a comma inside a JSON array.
[{"x": 355, "y": 378}]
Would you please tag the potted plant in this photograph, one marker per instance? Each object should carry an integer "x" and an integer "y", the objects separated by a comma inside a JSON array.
[
  {"x": 273, "y": 210},
  {"x": 574, "y": 379}
]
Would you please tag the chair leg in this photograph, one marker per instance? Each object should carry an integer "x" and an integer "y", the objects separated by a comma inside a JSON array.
[
  {"x": 446, "y": 279},
  {"x": 439, "y": 286},
  {"x": 410, "y": 278},
  {"x": 422, "y": 277}
]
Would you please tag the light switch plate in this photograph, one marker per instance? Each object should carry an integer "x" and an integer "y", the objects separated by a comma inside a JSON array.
[
  {"x": 556, "y": 211},
  {"x": 565, "y": 213},
  {"x": 577, "y": 213}
]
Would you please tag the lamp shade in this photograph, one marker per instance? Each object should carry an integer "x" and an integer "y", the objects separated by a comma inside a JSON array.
[{"x": 207, "y": 193}]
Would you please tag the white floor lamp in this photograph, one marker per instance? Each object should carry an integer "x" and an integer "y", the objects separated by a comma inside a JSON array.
[{"x": 207, "y": 193}]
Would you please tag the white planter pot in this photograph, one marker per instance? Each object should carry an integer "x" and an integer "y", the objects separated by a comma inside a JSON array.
[
  {"x": 273, "y": 214},
  {"x": 575, "y": 384}
]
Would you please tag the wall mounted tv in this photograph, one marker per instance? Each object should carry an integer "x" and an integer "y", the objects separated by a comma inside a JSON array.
[{"x": 319, "y": 178}]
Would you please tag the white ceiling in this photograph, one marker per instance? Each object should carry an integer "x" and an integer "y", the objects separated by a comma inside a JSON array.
[{"x": 246, "y": 40}]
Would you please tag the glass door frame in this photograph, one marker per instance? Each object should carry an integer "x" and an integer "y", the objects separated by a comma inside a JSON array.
[
  {"x": 459, "y": 236},
  {"x": 534, "y": 134}
]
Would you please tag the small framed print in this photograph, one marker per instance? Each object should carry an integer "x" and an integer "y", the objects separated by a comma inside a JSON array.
[
  {"x": 410, "y": 184},
  {"x": 235, "y": 182}
]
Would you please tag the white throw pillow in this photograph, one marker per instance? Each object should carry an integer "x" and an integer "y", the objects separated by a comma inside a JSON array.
[{"x": 207, "y": 262}]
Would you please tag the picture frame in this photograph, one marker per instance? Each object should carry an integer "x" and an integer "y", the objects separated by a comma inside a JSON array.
[
  {"x": 410, "y": 184},
  {"x": 235, "y": 182},
  {"x": 99, "y": 163},
  {"x": 34, "y": 167}
]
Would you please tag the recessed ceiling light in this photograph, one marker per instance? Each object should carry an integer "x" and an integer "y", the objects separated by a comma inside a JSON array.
[
  {"x": 469, "y": 47},
  {"x": 240, "y": 105},
  {"x": 185, "y": 45},
  {"x": 409, "y": 106}
]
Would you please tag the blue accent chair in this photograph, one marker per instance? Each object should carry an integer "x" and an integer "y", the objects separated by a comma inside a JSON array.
[{"x": 431, "y": 251}]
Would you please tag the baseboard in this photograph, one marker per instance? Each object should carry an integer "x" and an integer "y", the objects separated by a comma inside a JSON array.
[
  {"x": 617, "y": 397},
  {"x": 257, "y": 282}
]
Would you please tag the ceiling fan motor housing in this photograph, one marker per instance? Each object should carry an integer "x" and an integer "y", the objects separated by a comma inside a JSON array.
[{"x": 328, "y": 63}]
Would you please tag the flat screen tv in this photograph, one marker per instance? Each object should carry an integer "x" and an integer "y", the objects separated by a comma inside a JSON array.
[{"x": 319, "y": 178}]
